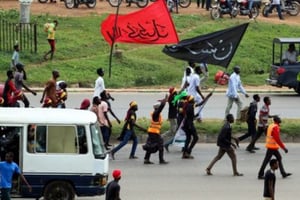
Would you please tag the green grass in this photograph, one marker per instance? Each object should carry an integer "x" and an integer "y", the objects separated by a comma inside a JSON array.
[{"x": 81, "y": 49}]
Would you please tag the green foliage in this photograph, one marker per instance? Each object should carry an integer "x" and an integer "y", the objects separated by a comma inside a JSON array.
[{"x": 81, "y": 50}]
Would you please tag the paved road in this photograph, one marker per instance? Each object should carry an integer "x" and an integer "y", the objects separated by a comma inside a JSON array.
[
  {"x": 283, "y": 104},
  {"x": 186, "y": 179}
]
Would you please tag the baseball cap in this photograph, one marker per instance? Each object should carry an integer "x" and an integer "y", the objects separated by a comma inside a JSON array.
[
  {"x": 85, "y": 104},
  {"x": 116, "y": 173}
]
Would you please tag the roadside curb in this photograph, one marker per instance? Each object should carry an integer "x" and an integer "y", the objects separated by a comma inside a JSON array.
[{"x": 221, "y": 89}]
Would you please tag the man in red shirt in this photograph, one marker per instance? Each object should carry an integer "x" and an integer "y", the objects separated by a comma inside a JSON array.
[
  {"x": 273, "y": 143},
  {"x": 10, "y": 93}
]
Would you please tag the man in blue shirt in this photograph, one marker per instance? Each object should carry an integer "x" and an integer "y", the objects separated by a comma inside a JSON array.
[
  {"x": 7, "y": 170},
  {"x": 235, "y": 86}
]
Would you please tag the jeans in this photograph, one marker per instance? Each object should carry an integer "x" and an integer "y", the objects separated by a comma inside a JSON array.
[
  {"x": 250, "y": 5},
  {"x": 278, "y": 8},
  {"x": 5, "y": 193},
  {"x": 230, "y": 152},
  {"x": 127, "y": 137},
  {"x": 105, "y": 134}
]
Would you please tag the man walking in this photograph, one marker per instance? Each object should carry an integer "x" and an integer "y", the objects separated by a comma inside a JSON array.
[
  {"x": 270, "y": 179},
  {"x": 99, "y": 83},
  {"x": 104, "y": 122},
  {"x": 194, "y": 90},
  {"x": 154, "y": 141},
  {"x": 15, "y": 59},
  {"x": 189, "y": 128},
  {"x": 20, "y": 75},
  {"x": 273, "y": 143},
  {"x": 264, "y": 115},
  {"x": 105, "y": 96},
  {"x": 10, "y": 93},
  {"x": 128, "y": 131},
  {"x": 251, "y": 121},
  {"x": 235, "y": 86},
  {"x": 225, "y": 146},
  {"x": 172, "y": 117},
  {"x": 113, "y": 188},
  {"x": 51, "y": 29},
  {"x": 7, "y": 170}
]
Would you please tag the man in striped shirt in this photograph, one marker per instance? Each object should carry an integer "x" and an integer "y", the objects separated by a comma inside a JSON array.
[{"x": 264, "y": 115}]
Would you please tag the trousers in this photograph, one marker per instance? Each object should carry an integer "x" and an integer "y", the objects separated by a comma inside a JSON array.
[{"x": 230, "y": 152}]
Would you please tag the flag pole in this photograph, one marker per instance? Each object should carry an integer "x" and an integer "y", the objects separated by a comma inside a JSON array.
[{"x": 113, "y": 38}]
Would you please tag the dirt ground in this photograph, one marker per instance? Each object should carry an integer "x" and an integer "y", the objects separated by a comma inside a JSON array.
[{"x": 103, "y": 6}]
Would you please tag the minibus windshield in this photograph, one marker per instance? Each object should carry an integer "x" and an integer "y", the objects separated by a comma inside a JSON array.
[{"x": 98, "y": 147}]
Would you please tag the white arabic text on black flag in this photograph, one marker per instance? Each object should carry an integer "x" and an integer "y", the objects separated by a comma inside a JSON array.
[{"x": 215, "y": 48}]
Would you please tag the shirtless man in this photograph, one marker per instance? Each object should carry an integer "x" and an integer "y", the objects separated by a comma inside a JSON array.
[{"x": 50, "y": 89}]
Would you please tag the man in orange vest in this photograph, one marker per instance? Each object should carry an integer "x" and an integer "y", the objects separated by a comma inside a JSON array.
[
  {"x": 154, "y": 141},
  {"x": 273, "y": 143}
]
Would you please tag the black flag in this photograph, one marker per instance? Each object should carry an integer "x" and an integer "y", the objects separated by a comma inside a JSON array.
[{"x": 215, "y": 48}]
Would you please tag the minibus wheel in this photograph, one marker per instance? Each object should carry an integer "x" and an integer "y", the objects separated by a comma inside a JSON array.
[{"x": 59, "y": 190}]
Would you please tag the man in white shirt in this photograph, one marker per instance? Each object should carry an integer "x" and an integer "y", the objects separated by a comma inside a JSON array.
[
  {"x": 189, "y": 70},
  {"x": 194, "y": 90},
  {"x": 99, "y": 83},
  {"x": 235, "y": 86},
  {"x": 290, "y": 56}
]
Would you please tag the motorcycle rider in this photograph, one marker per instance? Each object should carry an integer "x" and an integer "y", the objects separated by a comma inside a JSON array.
[{"x": 275, "y": 4}]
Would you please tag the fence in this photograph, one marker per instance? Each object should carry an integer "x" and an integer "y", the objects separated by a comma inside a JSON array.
[{"x": 24, "y": 34}]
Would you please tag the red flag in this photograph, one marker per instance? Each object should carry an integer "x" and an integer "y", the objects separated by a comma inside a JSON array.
[{"x": 151, "y": 25}]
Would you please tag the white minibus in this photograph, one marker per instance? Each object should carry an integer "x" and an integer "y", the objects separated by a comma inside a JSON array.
[{"x": 59, "y": 151}]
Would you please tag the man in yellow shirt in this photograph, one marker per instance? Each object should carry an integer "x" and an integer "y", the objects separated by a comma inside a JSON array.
[{"x": 50, "y": 28}]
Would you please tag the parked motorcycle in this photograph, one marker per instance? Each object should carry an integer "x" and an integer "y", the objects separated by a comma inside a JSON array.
[
  {"x": 75, "y": 3},
  {"x": 139, "y": 3},
  {"x": 242, "y": 8},
  {"x": 221, "y": 8},
  {"x": 287, "y": 6}
]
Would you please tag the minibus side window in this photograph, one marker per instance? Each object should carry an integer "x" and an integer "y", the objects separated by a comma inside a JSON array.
[
  {"x": 55, "y": 139},
  {"x": 61, "y": 139}
]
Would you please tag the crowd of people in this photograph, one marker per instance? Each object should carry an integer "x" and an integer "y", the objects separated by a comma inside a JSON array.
[
  {"x": 185, "y": 108},
  {"x": 182, "y": 114}
]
